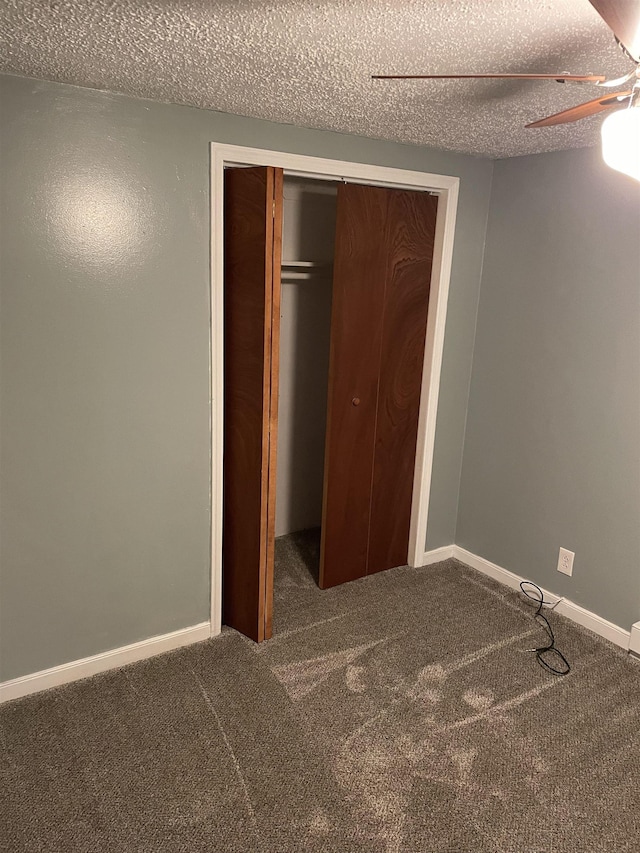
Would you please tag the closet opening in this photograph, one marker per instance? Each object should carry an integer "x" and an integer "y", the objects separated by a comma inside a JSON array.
[
  {"x": 308, "y": 236},
  {"x": 329, "y": 293}
]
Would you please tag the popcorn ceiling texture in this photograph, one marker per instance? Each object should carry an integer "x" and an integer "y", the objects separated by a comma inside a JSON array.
[{"x": 309, "y": 63}]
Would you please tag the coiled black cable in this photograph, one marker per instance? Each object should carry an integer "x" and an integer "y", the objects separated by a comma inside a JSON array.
[{"x": 549, "y": 657}]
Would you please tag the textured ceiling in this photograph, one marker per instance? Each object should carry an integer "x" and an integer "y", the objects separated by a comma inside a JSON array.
[{"x": 309, "y": 62}]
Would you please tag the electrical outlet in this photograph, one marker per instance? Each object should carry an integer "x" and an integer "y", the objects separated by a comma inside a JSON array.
[{"x": 565, "y": 562}]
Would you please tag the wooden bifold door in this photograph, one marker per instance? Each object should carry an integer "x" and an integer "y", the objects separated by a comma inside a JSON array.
[
  {"x": 382, "y": 270},
  {"x": 252, "y": 250}
]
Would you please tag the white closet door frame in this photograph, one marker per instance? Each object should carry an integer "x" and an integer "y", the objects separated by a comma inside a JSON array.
[{"x": 316, "y": 167}]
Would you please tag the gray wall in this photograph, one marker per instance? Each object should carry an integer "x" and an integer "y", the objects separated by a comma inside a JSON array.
[
  {"x": 552, "y": 450},
  {"x": 104, "y": 277}
]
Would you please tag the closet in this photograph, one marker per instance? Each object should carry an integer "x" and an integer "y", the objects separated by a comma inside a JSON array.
[
  {"x": 330, "y": 323},
  {"x": 309, "y": 223}
]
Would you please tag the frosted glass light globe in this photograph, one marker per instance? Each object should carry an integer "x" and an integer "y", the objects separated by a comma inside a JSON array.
[{"x": 621, "y": 141}]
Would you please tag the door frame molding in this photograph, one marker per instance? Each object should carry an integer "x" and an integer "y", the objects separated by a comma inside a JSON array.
[{"x": 446, "y": 187}]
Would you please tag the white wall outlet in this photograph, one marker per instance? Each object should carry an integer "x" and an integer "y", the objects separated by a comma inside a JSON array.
[{"x": 565, "y": 562}]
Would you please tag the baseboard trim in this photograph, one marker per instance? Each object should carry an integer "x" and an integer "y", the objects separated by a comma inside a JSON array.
[
  {"x": 567, "y": 608},
  {"x": 74, "y": 670},
  {"x": 436, "y": 556},
  {"x": 85, "y": 667}
]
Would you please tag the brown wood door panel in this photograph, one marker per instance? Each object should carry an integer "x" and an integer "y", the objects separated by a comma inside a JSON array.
[
  {"x": 382, "y": 271},
  {"x": 410, "y": 240},
  {"x": 252, "y": 296},
  {"x": 356, "y": 331}
]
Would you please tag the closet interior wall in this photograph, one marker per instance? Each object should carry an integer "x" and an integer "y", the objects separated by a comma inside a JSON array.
[{"x": 305, "y": 312}]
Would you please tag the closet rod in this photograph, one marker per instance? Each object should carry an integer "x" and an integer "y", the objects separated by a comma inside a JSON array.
[
  {"x": 307, "y": 265},
  {"x": 301, "y": 276}
]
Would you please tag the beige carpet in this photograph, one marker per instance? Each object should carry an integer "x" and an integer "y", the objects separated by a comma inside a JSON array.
[{"x": 397, "y": 713}]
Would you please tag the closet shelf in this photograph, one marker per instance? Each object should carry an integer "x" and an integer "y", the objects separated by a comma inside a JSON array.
[
  {"x": 305, "y": 265},
  {"x": 302, "y": 270}
]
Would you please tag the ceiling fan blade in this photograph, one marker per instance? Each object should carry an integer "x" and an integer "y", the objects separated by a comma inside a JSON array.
[
  {"x": 584, "y": 78},
  {"x": 590, "y": 108},
  {"x": 623, "y": 17}
]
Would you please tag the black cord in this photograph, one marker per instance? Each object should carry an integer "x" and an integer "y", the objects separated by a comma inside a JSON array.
[{"x": 546, "y": 655}]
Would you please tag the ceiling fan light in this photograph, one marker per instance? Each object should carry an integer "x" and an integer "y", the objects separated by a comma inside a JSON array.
[{"x": 621, "y": 141}]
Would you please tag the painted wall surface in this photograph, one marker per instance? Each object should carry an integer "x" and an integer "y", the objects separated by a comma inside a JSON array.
[
  {"x": 552, "y": 450},
  {"x": 104, "y": 277}
]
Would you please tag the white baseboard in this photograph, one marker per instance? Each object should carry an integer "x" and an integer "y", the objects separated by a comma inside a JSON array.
[
  {"x": 436, "y": 556},
  {"x": 112, "y": 659},
  {"x": 567, "y": 608},
  {"x": 75, "y": 670}
]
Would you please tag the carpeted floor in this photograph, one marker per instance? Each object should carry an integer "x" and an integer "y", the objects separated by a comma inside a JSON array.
[{"x": 398, "y": 713}]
